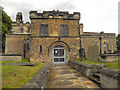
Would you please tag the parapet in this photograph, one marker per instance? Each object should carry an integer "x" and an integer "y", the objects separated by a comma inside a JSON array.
[{"x": 54, "y": 14}]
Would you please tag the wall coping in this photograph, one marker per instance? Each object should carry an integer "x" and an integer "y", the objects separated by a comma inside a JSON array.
[
  {"x": 88, "y": 66},
  {"x": 10, "y": 55},
  {"x": 110, "y": 73}
]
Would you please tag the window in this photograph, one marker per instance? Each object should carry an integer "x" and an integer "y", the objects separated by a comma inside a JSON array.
[
  {"x": 40, "y": 48},
  {"x": 24, "y": 47},
  {"x": 21, "y": 30},
  {"x": 27, "y": 44},
  {"x": 28, "y": 30},
  {"x": 44, "y": 30},
  {"x": 95, "y": 43},
  {"x": 105, "y": 46},
  {"x": 64, "y": 30}
]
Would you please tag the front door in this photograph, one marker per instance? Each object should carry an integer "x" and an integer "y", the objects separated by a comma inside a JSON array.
[{"x": 58, "y": 54}]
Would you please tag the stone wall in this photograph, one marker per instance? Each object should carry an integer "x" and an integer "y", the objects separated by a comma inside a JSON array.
[
  {"x": 40, "y": 79},
  {"x": 109, "y": 78},
  {"x": 86, "y": 69},
  {"x": 15, "y": 44},
  {"x": 89, "y": 39},
  {"x": 54, "y": 26},
  {"x": 48, "y": 43},
  {"x": 11, "y": 57},
  {"x": 109, "y": 57}
]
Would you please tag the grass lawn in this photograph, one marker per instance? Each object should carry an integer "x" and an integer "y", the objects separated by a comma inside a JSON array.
[
  {"x": 113, "y": 65},
  {"x": 17, "y": 76}
]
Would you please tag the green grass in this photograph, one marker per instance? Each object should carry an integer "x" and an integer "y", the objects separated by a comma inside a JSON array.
[
  {"x": 113, "y": 65},
  {"x": 17, "y": 76}
]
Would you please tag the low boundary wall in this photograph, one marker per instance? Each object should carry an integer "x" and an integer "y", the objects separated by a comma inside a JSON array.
[
  {"x": 10, "y": 57},
  {"x": 108, "y": 78},
  {"x": 86, "y": 69},
  {"x": 40, "y": 79}
]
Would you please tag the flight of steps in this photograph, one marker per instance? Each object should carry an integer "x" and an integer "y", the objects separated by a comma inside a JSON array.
[{"x": 95, "y": 78}]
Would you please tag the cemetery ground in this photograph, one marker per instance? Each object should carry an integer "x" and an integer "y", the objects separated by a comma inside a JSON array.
[{"x": 15, "y": 76}]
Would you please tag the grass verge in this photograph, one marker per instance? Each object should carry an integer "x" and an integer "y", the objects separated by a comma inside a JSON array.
[
  {"x": 113, "y": 65},
  {"x": 17, "y": 76}
]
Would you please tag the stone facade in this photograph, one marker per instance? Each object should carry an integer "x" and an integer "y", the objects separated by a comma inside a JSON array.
[{"x": 28, "y": 35}]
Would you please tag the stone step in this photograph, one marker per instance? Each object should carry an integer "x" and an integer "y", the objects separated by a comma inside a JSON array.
[
  {"x": 94, "y": 79},
  {"x": 97, "y": 75}
]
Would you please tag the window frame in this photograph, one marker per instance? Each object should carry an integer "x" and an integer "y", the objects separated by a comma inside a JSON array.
[
  {"x": 63, "y": 30},
  {"x": 21, "y": 30},
  {"x": 44, "y": 30}
]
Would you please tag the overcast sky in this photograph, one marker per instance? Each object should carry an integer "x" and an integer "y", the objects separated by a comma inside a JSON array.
[{"x": 96, "y": 15}]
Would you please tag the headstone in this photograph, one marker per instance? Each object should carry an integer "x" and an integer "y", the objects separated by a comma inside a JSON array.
[
  {"x": 93, "y": 52},
  {"x": 82, "y": 53}
]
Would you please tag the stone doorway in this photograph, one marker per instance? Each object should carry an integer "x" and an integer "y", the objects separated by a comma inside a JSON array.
[{"x": 58, "y": 55}]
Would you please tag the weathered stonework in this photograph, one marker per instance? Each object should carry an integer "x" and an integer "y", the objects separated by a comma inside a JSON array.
[
  {"x": 108, "y": 78},
  {"x": 54, "y": 19}
]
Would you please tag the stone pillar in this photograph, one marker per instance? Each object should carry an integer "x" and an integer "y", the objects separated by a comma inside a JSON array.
[
  {"x": 81, "y": 28},
  {"x": 19, "y": 17}
]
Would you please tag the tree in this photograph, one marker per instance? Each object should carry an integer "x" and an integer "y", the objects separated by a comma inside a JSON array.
[
  {"x": 118, "y": 43},
  {"x": 6, "y": 28}
]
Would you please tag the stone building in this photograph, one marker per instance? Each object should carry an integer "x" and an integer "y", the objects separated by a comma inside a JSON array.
[{"x": 54, "y": 36}]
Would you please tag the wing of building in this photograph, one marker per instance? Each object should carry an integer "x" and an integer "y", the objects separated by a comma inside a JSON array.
[{"x": 54, "y": 36}]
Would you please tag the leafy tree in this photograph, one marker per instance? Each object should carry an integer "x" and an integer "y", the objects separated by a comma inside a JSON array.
[
  {"x": 6, "y": 28},
  {"x": 118, "y": 43}
]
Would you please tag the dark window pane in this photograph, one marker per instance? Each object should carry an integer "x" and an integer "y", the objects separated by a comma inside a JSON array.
[
  {"x": 24, "y": 44},
  {"x": 56, "y": 59},
  {"x": 61, "y": 59},
  {"x": 64, "y": 30},
  {"x": 28, "y": 30},
  {"x": 40, "y": 48},
  {"x": 21, "y": 30},
  {"x": 28, "y": 44},
  {"x": 43, "y": 29}
]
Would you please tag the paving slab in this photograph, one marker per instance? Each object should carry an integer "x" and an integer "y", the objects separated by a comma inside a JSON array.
[{"x": 64, "y": 76}]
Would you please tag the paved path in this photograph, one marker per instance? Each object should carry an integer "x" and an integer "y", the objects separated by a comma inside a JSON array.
[{"x": 64, "y": 76}]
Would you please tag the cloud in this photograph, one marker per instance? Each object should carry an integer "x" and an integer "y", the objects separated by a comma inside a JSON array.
[
  {"x": 64, "y": 6},
  {"x": 13, "y": 7}
]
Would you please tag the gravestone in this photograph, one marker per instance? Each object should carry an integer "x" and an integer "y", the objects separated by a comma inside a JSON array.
[
  {"x": 93, "y": 52},
  {"x": 82, "y": 53}
]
